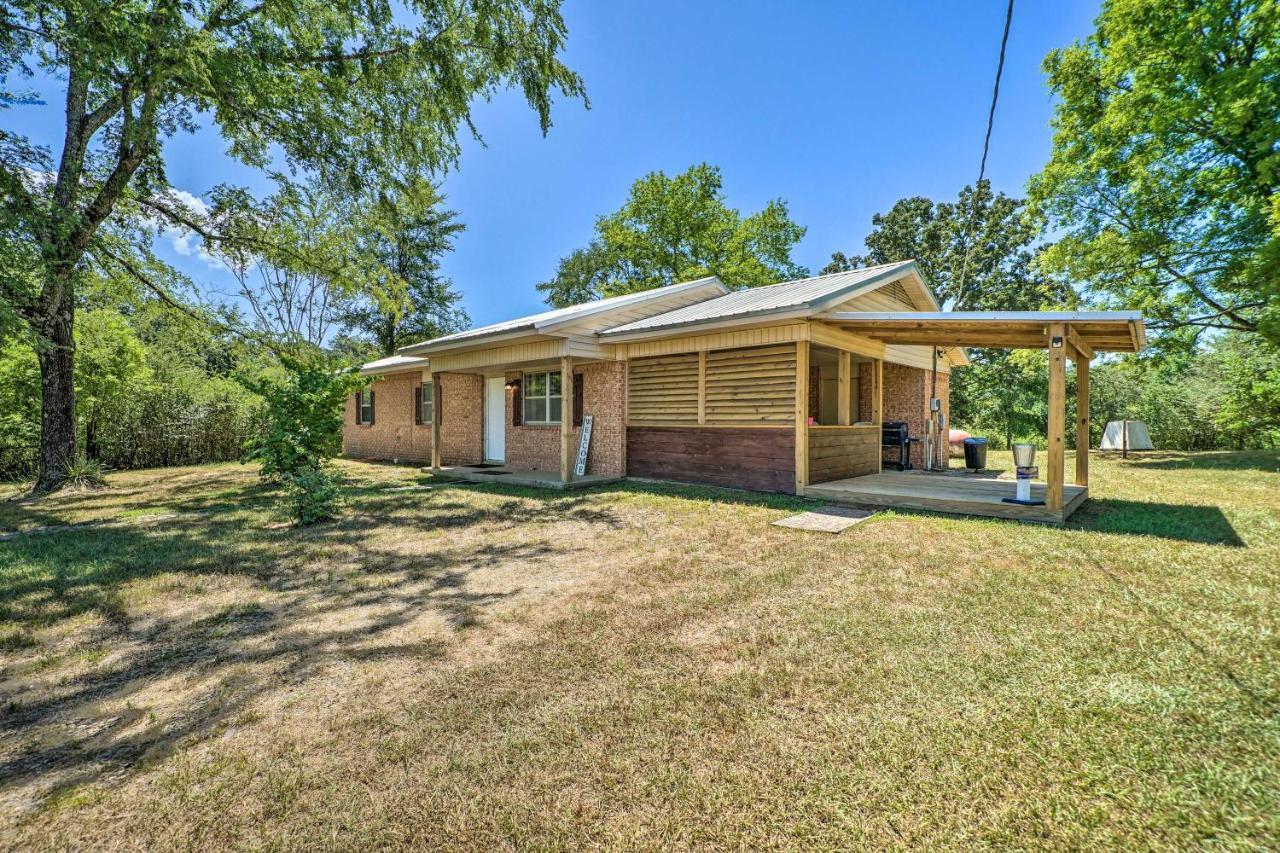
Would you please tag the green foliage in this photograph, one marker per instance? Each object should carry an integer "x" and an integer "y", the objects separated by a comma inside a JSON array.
[
  {"x": 1165, "y": 165},
  {"x": 986, "y": 266},
  {"x": 1002, "y": 395},
  {"x": 152, "y": 389},
  {"x": 302, "y": 416},
  {"x": 84, "y": 473},
  {"x": 674, "y": 229},
  {"x": 1249, "y": 378},
  {"x": 407, "y": 231},
  {"x": 19, "y": 407},
  {"x": 314, "y": 494},
  {"x": 347, "y": 91},
  {"x": 1226, "y": 396},
  {"x": 1000, "y": 248}
]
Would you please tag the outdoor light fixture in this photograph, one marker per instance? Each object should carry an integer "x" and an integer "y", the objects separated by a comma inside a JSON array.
[{"x": 1056, "y": 342}]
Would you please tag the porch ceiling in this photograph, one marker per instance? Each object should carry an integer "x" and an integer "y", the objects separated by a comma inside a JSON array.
[{"x": 1099, "y": 331}]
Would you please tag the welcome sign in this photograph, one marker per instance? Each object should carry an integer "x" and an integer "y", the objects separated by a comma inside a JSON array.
[{"x": 584, "y": 442}]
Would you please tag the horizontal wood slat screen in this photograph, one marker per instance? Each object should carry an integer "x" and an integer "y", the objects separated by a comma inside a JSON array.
[
  {"x": 663, "y": 390},
  {"x": 839, "y": 452},
  {"x": 751, "y": 386}
]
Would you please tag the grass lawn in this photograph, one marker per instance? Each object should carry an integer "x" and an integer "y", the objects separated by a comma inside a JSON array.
[{"x": 640, "y": 666}]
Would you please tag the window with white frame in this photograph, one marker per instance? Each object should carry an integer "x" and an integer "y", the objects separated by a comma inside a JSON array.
[
  {"x": 366, "y": 406},
  {"x": 425, "y": 393},
  {"x": 542, "y": 396}
]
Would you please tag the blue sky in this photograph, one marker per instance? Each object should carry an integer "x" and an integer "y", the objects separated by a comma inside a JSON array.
[{"x": 840, "y": 108}]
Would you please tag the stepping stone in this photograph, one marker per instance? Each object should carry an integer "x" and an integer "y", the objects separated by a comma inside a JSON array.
[{"x": 829, "y": 519}]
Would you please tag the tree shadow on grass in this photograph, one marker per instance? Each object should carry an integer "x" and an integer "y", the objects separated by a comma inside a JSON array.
[
  {"x": 1256, "y": 460},
  {"x": 1183, "y": 522},
  {"x": 314, "y": 598}
]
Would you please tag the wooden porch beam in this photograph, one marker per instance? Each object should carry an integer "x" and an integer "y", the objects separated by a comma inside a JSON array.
[
  {"x": 566, "y": 419},
  {"x": 802, "y": 416},
  {"x": 1057, "y": 417},
  {"x": 844, "y": 377},
  {"x": 1082, "y": 422},
  {"x": 877, "y": 392},
  {"x": 1078, "y": 345},
  {"x": 437, "y": 416}
]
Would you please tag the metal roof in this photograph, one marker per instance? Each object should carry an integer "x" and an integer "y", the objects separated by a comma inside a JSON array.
[
  {"x": 806, "y": 293},
  {"x": 539, "y": 322},
  {"x": 393, "y": 364}
]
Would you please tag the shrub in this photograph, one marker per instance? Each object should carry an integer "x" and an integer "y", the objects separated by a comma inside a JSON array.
[
  {"x": 302, "y": 416},
  {"x": 315, "y": 494},
  {"x": 84, "y": 473}
]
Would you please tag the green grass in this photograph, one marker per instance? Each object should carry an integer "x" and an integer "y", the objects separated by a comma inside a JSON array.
[{"x": 641, "y": 666}]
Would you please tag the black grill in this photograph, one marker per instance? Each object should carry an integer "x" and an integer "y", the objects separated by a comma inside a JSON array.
[{"x": 895, "y": 444}]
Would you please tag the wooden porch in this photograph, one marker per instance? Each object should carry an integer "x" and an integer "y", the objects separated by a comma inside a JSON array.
[
  {"x": 950, "y": 493},
  {"x": 1065, "y": 335}
]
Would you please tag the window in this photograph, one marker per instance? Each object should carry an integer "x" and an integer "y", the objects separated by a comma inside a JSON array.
[
  {"x": 365, "y": 400},
  {"x": 422, "y": 404},
  {"x": 542, "y": 397}
]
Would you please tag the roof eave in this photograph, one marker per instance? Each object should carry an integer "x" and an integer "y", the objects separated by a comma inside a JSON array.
[{"x": 479, "y": 340}]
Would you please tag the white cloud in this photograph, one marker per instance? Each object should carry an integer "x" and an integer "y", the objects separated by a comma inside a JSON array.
[{"x": 183, "y": 241}]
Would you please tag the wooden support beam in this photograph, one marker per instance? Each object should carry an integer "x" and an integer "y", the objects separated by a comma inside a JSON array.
[
  {"x": 844, "y": 395},
  {"x": 566, "y": 419},
  {"x": 1082, "y": 421},
  {"x": 802, "y": 416},
  {"x": 702, "y": 386},
  {"x": 877, "y": 391},
  {"x": 437, "y": 414},
  {"x": 1081, "y": 351},
  {"x": 1057, "y": 417}
]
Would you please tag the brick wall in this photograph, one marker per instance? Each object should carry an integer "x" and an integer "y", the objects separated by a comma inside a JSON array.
[
  {"x": 906, "y": 398},
  {"x": 393, "y": 433},
  {"x": 462, "y": 425},
  {"x": 603, "y": 397}
]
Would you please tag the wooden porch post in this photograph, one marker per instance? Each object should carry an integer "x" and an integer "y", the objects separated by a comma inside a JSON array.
[
  {"x": 436, "y": 417},
  {"x": 844, "y": 376},
  {"x": 566, "y": 419},
  {"x": 1057, "y": 416},
  {"x": 877, "y": 391},
  {"x": 1082, "y": 421},
  {"x": 802, "y": 416}
]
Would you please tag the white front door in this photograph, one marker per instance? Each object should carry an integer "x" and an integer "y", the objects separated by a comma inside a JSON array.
[{"x": 495, "y": 419}]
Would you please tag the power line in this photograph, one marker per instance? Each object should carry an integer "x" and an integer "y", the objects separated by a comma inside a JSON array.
[
  {"x": 986, "y": 144},
  {"x": 995, "y": 94}
]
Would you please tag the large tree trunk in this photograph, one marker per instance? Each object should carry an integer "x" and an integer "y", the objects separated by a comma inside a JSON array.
[{"x": 57, "y": 396}]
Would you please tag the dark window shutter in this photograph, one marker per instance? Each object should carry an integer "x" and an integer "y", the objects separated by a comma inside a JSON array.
[
  {"x": 357, "y": 396},
  {"x": 417, "y": 405},
  {"x": 437, "y": 399},
  {"x": 577, "y": 399},
  {"x": 517, "y": 402},
  {"x": 371, "y": 408}
]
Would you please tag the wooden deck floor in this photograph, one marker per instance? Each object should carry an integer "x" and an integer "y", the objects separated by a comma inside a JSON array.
[{"x": 959, "y": 495}]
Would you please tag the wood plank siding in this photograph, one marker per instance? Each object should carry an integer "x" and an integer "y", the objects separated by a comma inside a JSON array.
[
  {"x": 752, "y": 386},
  {"x": 663, "y": 390},
  {"x": 839, "y": 452},
  {"x": 755, "y": 385},
  {"x": 760, "y": 459}
]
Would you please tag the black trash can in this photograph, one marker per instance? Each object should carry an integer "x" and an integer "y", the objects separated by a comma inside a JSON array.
[{"x": 975, "y": 453}]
